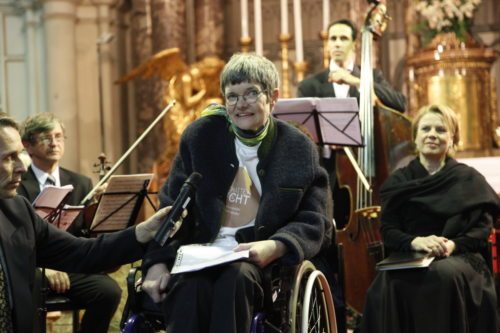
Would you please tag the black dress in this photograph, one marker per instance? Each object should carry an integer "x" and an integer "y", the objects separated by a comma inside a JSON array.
[{"x": 455, "y": 294}]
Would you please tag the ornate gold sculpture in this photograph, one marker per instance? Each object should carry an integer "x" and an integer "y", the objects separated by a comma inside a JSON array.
[
  {"x": 193, "y": 87},
  {"x": 458, "y": 74}
]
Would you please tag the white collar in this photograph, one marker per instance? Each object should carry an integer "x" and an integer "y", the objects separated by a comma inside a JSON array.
[
  {"x": 41, "y": 175},
  {"x": 349, "y": 67}
]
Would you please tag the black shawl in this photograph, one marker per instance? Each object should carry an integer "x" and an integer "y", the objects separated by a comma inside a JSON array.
[{"x": 457, "y": 193}]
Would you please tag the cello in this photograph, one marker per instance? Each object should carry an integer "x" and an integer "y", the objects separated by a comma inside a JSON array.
[{"x": 387, "y": 139}]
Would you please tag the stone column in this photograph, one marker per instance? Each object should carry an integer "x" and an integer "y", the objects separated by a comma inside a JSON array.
[
  {"x": 59, "y": 20},
  {"x": 34, "y": 59},
  {"x": 209, "y": 28},
  {"x": 169, "y": 24},
  {"x": 86, "y": 33},
  {"x": 105, "y": 47},
  {"x": 146, "y": 93}
]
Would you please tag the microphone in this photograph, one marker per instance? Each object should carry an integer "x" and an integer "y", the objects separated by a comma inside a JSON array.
[{"x": 183, "y": 199}]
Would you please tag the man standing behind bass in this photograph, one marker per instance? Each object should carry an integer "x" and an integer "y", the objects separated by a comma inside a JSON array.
[
  {"x": 43, "y": 137},
  {"x": 342, "y": 80}
]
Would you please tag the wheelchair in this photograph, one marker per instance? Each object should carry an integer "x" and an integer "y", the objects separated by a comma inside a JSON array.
[{"x": 297, "y": 300}]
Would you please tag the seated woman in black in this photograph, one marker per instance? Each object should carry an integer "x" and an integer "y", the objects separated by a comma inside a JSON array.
[
  {"x": 263, "y": 190},
  {"x": 436, "y": 205}
]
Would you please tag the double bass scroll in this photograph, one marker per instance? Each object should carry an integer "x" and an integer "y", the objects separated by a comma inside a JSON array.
[{"x": 89, "y": 210}]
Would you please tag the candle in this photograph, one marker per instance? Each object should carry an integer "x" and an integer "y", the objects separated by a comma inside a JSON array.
[
  {"x": 257, "y": 9},
  {"x": 244, "y": 18},
  {"x": 297, "y": 17},
  {"x": 284, "y": 17},
  {"x": 326, "y": 14}
]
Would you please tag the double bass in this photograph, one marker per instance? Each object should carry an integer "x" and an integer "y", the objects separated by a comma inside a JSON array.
[{"x": 387, "y": 146}]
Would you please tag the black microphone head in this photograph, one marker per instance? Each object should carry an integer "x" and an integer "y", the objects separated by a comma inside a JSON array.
[{"x": 194, "y": 179}]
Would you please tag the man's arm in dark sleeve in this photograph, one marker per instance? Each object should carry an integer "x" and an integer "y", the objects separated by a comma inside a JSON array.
[
  {"x": 386, "y": 94},
  {"x": 307, "y": 88},
  {"x": 302, "y": 90}
]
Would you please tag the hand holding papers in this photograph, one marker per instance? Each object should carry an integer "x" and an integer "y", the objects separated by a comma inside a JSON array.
[
  {"x": 195, "y": 257},
  {"x": 49, "y": 205}
]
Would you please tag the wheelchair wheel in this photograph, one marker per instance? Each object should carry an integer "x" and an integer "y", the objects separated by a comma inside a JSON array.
[
  {"x": 138, "y": 324},
  {"x": 311, "y": 306}
]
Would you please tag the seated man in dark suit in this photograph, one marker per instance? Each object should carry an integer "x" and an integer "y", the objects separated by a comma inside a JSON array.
[
  {"x": 43, "y": 137},
  {"x": 26, "y": 241}
]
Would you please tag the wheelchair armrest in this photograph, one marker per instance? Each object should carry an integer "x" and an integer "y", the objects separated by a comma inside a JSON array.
[
  {"x": 277, "y": 282},
  {"x": 139, "y": 305},
  {"x": 133, "y": 287},
  {"x": 139, "y": 301},
  {"x": 269, "y": 275}
]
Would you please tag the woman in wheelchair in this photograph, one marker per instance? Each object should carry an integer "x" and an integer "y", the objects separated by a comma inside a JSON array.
[
  {"x": 263, "y": 190},
  {"x": 445, "y": 208}
]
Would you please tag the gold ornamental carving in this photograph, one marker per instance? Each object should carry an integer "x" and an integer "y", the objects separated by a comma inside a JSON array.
[
  {"x": 457, "y": 74},
  {"x": 192, "y": 86},
  {"x": 285, "y": 65}
]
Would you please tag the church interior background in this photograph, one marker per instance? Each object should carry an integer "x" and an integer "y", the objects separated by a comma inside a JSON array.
[{"x": 107, "y": 68}]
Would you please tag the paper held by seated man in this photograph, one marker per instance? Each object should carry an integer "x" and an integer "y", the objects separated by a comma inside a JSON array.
[
  {"x": 50, "y": 206},
  {"x": 242, "y": 203}
]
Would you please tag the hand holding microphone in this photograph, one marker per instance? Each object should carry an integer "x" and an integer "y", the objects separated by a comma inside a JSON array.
[{"x": 185, "y": 196}]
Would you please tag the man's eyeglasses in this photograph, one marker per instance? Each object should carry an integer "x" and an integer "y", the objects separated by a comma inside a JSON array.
[
  {"x": 48, "y": 139},
  {"x": 250, "y": 97}
]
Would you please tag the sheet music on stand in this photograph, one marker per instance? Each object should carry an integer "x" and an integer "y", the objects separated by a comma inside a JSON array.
[
  {"x": 50, "y": 206},
  {"x": 332, "y": 121},
  {"x": 120, "y": 203}
]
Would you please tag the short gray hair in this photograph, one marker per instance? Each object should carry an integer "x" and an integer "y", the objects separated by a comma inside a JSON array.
[
  {"x": 252, "y": 68},
  {"x": 39, "y": 123}
]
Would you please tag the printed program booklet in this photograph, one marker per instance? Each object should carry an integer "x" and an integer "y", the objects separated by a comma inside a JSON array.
[
  {"x": 196, "y": 257},
  {"x": 405, "y": 260}
]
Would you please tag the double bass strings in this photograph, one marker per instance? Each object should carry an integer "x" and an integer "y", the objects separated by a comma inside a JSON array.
[{"x": 366, "y": 158}]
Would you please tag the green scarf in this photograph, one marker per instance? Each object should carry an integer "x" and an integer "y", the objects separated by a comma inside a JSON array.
[{"x": 249, "y": 138}]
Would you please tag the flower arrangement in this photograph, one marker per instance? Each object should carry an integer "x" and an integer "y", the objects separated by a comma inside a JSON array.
[{"x": 445, "y": 16}]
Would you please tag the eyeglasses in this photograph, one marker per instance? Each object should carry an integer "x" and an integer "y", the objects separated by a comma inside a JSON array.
[
  {"x": 250, "y": 97},
  {"x": 48, "y": 139}
]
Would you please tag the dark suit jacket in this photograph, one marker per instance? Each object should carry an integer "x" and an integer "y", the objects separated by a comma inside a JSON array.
[
  {"x": 29, "y": 188},
  {"x": 27, "y": 242},
  {"x": 317, "y": 85}
]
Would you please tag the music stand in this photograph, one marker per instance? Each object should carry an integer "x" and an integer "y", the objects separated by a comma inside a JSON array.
[
  {"x": 50, "y": 205},
  {"x": 120, "y": 204},
  {"x": 330, "y": 121}
]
